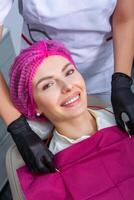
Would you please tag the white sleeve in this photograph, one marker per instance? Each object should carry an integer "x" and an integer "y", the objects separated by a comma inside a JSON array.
[{"x": 5, "y": 6}]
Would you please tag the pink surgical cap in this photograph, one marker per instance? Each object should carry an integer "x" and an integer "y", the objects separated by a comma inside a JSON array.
[{"x": 23, "y": 70}]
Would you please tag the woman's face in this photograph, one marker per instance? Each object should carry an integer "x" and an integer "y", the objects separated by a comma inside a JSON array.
[{"x": 59, "y": 89}]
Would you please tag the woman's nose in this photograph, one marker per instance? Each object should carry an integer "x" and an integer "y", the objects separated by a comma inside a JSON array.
[{"x": 66, "y": 87}]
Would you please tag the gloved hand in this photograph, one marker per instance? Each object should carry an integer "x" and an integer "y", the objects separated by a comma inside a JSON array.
[
  {"x": 123, "y": 100},
  {"x": 32, "y": 149}
]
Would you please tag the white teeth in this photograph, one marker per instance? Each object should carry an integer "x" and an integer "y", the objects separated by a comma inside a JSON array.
[{"x": 72, "y": 100}]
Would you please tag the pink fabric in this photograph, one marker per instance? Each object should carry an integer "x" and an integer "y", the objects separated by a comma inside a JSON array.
[
  {"x": 98, "y": 168},
  {"x": 23, "y": 70}
]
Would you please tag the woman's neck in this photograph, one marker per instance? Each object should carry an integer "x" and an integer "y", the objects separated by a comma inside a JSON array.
[{"x": 84, "y": 124}]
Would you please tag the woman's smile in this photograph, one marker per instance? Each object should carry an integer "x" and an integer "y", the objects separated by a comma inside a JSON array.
[{"x": 72, "y": 101}]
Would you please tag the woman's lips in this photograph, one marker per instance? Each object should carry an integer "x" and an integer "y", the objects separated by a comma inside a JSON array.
[{"x": 72, "y": 101}]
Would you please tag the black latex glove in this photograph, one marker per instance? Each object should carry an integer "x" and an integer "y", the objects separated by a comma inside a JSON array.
[
  {"x": 32, "y": 149},
  {"x": 123, "y": 100}
]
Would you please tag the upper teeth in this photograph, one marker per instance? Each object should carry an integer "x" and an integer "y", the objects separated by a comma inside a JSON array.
[{"x": 72, "y": 100}]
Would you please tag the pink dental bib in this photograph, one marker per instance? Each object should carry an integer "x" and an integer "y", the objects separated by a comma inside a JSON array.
[{"x": 98, "y": 168}]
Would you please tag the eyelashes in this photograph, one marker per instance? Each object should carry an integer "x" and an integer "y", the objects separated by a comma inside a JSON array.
[
  {"x": 69, "y": 72},
  {"x": 50, "y": 84}
]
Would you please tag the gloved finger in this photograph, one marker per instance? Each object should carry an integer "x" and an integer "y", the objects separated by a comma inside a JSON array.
[
  {"x": 40, "y": 166},
  {"x": 44, "y": 160},
  {"x": 50, "y": 154},
  {"x": 130, "y": 126},
  {"x": 130, "y": 120},
  {"x": 49, "y": 163},
  {"x": 51, "y": 167},
  {"x": 130, "y": 113},
  {"x": 31, "y": 164},
  {"x": 25, "y": 157},
  {"x": 120, "y": 123}
]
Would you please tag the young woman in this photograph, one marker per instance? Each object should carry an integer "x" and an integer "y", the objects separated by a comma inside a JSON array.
[
  {"x": 90, "y": 42},
  {"x": 90, "y": 151}
]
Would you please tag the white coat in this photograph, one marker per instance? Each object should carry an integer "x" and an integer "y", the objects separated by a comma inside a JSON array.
[{"x": 82, "y": 25}]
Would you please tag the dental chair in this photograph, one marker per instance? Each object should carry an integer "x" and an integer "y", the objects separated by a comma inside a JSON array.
[{"x": 15, "y": 161}]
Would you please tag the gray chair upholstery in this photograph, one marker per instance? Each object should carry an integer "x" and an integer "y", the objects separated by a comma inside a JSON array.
[{"x": 13, "y": 162}]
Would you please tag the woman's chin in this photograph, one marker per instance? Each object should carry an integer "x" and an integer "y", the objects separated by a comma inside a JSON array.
[{"x": 75, "y": 111}]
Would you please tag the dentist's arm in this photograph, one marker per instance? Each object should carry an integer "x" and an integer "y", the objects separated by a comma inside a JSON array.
[
  {"x": 37, "y": 157},
  {"x": 35, "y": 154},
  {"x": 7, "y": 110},
  {"x": 123, "y": 38}
]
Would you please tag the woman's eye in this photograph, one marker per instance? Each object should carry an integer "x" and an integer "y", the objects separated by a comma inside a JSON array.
[
  {"x": 71, "y": 71},
  {"x": 47, "y": 86}
]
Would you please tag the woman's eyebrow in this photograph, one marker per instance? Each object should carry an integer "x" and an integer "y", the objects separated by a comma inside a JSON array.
[
  {"x": 50, "y": 77},
  {"x": 42, "y": 79},
  {"x": 64, "y": 68}
]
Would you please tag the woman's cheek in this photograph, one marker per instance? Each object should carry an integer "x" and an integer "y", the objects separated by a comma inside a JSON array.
[{"x": 49, "y": 97}]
